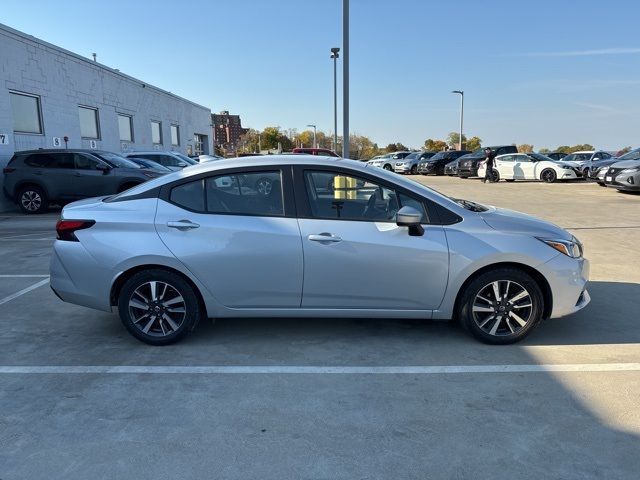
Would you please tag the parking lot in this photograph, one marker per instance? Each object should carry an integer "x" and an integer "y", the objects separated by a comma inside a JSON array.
[{"x": 328, "y": 399}]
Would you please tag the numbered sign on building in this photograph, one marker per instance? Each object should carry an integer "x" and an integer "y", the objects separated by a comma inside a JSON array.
[
  {"x": 57, "y": 141},
  {"x": 4, "y": 139},
  {"x": 93, "y": 144}
]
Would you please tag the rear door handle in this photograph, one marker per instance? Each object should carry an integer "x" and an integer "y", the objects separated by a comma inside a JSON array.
[
  {"x": 325, "y": 237},
  {"x": 182, "y": 225}
]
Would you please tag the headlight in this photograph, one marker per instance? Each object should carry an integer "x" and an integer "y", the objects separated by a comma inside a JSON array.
[
  {"x": 631, "y": 170},
  {"x": 571, "y": 248},
  {"x": 566, "y": 167}
]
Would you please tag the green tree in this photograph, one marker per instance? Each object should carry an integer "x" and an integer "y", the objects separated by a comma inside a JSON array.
[
  {"x": 362, "y": 148},
  {"x": 525, "y": 148},
  {"x": 584, "y": 146},
  {"x": 454, "y": 137},
  {"x": 431, "y": 145},
  {"x": 473, "y": 143},
  {"x": 563, "y": 149}
]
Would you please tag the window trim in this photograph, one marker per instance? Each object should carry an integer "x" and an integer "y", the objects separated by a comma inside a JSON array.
[
  {"x": 177, "y": 127},
  {"x": 131, "y": 131},
  {"x": 286, "y": 180},
  {"x": 39, "y": 108},
  {"x": 159, "y": 129},
  {"x": 97, "y": 118}
]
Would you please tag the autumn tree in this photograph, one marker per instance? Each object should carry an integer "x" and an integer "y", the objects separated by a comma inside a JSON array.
[
  {"x": 544, "y": 150},
  {"x": 473, "y": 143},
  {"x": 525, "y": 148},
  {"x": 431, "y": 145}
]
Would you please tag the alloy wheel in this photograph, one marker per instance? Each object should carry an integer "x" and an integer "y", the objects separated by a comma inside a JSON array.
[
  {"x": 31, "y": 201},
  {"x": 502, "y": 308},
  {"x": 157, "y": 308},
  {"x": 549, "y": 176}
]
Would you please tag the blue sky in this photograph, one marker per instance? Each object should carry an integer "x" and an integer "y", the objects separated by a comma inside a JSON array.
[{"x": 542, "y": 72}]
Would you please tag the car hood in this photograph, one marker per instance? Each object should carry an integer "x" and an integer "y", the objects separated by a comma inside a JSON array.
[
  {"x": 567, "y": 164},
  {"x": 516, "y": 222},
  {"x": 627, "y": 164}
]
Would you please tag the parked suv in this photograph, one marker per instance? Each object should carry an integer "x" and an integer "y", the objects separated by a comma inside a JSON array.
[
  {"x": 35, "y": 178},
  {"x": 172, "y": 160},
  {"x": 436, "y": 164},
  {"x": 409, "y": 164},
  {"x": 468, "y": 164}
]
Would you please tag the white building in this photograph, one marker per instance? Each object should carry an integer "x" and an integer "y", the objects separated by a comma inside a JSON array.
[{"x": 48, "y": 94}]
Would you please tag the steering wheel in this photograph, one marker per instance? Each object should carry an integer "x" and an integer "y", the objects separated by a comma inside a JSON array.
[{"x": 369, "y": 210}]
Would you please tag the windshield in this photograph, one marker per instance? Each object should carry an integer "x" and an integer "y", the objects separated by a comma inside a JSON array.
[
  {"x": 411, "y": 156},
  {"x": 190, "y": 161},
  {"x": 116, "y": 160},
  {"x": 577, "y": 157},
  {"x": 439, "y": 155},
  {"x": 632, "y": 155},
  {"x": 541, "y": 158}
]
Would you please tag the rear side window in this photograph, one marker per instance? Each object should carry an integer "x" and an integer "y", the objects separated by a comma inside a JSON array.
[
  {"x": 189, "y": 195},
  {"x": 50, "y": 160},
  {"x": 38, "y": 161},
  {"x": 62, "y": 160}
]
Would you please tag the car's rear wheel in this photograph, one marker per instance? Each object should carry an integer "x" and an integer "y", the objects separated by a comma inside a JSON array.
[
  {"x": 414, "y": 170},
  {"x": 158, "y": 307},
  {"x": 548, "y": 175},
  {"x": 388, "y": 167},
  {"x": 32, "y": 199},
  {"x": 495, "y": 175},
  {"x": 501, "y": 306}
]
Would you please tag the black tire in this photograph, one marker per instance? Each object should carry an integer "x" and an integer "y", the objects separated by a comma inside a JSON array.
[
  {"x": 414, "y": 170},
  {"x": 601, "y": 184},
  {"x": 178, "y": 325},
  {"x": 388, "y": 166},
  {"x": 495, "y": 175},
  {"x": 548, "y": 175},
  {"x": 511, "y": 282},
  {"x": 32, "y": 199},
  {"x": 509, "y": 180}
]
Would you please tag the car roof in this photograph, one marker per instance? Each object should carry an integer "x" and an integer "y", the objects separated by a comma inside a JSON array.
[
  {"x": 585, "y": 151},
  {"x": 150, "y": 152},
  {"x": 63, "y": 150}
]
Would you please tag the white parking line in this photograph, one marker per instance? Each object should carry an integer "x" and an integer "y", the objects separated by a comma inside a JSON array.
[
  {"x": 23, "y": 291},
  {"x": 310, "y": 370}
]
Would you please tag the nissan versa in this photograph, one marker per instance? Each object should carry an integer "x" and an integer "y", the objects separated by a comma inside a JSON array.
[{"x": 329, "y": 238}]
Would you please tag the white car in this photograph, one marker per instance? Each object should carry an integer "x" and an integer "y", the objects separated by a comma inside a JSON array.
[{"x": 530, "y": 166}]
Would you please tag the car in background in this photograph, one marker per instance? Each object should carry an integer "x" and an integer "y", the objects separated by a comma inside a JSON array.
[
  {"x": 325, "y": 152},
  {"x": 436, "y": 165},
  {"x": 388, "y": 160},
  {"x": 203, "y": 247},
  {"x": 409, "y": 164},
  {"x": 468, "y": 164},
  {"x": 207, "y": 158},
  {"x": 598, "y": 173},
  {"x": 529, "y": 166},
  {"x": 36, "y": 178},
  {"x": 150, "y": 164},
  {"x": 555, "y": 155},
  {"x": 451, "y": 168},
  {"x": 596, "y": 158},
  {"x": 172, "y": 160},
  {"x": 625, "y": 173}
]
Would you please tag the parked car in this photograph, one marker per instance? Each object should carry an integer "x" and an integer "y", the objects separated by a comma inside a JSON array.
[
  {"x": 556, "y": 155},
  {"x": 36, "y": 178},
  {"x": 596, "y": 158},
  {"x": 530, "y": 166},
  {"x": 409, "y": 164},
  {"x": 150, "y": 164},
  {"x": 436, "y": 164},
  {"x": 204, "y": 248},
  {"x": 387, "y": 161},
  {"x": 172, "y": 160},
  {"x": 207, "y": 158},
  {"x": 316, "y": 151},
  {"x": 597, "y": 173},
  {"x": 625, "y": 174},
  {"x": 451, "y": 168},
  {"x": 468, "y": 164}
]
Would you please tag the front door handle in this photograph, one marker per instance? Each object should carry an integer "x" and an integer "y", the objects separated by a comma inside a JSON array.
[
  {"x": 182, "y": 225},
  {"x": 324, "y": 237}
]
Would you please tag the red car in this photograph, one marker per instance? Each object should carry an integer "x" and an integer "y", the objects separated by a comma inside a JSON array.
[{"x": 325, "y": 152}]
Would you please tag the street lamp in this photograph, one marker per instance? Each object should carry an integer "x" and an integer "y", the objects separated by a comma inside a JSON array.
[
  {"x": 345, "y": 78},
  {"x": 314, "y": 135},
  {"x": 461, "y": 115},
  {"x": 335, "y": 55}
]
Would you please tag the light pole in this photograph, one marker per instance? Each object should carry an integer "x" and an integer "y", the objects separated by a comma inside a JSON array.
[
  {"x": 314, "y": 135},
  {"x": 259, "y": 144},
  {"x": 461, "y": 115},
  {"x": 345, "y": 78},
  {"x": 335, "y": 55}
]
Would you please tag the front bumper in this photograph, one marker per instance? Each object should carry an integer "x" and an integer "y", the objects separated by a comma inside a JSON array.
[
  {"x": 629, "y": 182},
  {"x": 466, "y": 171},
  {"x": 402, "y": 168},
  {"x": 568, "y": 278}
]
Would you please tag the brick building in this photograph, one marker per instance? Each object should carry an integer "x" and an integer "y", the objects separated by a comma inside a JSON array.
[{"x": 227, "y": 129}]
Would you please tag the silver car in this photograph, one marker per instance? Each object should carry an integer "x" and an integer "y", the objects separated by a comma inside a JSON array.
[{"x": 327, "y": 239}]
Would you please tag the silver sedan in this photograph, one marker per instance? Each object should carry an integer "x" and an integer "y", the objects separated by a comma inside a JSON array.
[{"x": 327, "y": 239}]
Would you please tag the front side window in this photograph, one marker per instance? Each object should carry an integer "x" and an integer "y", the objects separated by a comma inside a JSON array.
[
  {"x": 125, "y": 127},
  {"x": 83, "y": 162},
  {"x": 62, "y": 160},
  {"x": 341, "y": 197},
  {"x": 89, "y": 127},
  {"x": 27, "y": 117},
  {"x": 156, "y": 133},
  {"x": 175, "y": 135}
]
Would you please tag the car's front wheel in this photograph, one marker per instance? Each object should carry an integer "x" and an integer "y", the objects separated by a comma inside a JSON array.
[
  {"x": 32, "y": 199},
  {"x": 501, "y": 306},
  {"x": 388, "y": 167},
  {"x": 548, "y": 175},
  {"x": 158, "y": 307},
  {"x": 414, "y": 170}
]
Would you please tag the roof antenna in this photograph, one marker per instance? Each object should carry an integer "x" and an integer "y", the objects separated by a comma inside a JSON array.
[{"x": 94, "y": 56}]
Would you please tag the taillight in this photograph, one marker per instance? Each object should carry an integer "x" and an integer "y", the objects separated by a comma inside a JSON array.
[
  {"x": 6, "y": 170},
  {"x": 66, "y": 228}
]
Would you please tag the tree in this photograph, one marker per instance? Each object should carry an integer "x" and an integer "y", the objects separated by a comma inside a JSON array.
[
  {"x": 544, "y": 150},
  {"x": 622, "y": 151},
  {"x": 362, "y": 148},
  {"x": 578, "y": 148},
  {"x": 395, "y": 147},
  {"x": 431, "y": 145},
  {"x": 248, "y": 142},
  {"x": 454, "y": 137},
  {"x": 473, "y": 143},
  {"x": 525, "y": 148},
  {"x": 271, "y": 137}
]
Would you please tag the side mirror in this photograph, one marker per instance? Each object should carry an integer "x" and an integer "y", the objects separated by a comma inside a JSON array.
[
  {"x": 103, "y": 168},
  {"x": 596, "y": 159},
  {"x": 410, "y": 217},
  {"x": 182, "y": 164}
]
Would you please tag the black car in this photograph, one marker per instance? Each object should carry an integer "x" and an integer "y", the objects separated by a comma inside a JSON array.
[
  {"x": 468, "y": 164},
  {"x": 151, "y": 165},
  {"x": 556, "y": 155},
  {"x": 35, "y": 178},
  {"x": 436, "y": 164}
]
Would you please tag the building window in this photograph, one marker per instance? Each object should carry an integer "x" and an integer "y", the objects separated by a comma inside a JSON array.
[
  {"x": 89, "y": 127},
  {"x": 27, "y": 115},
  {"x": 156, "y": 133},
  {"x": 125, "y": 126},
  {"x": 175, "y": 135},
  {"x": 200, "y": 143}
]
